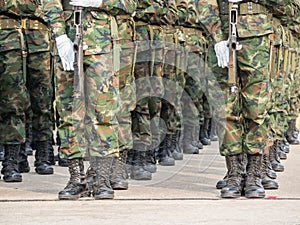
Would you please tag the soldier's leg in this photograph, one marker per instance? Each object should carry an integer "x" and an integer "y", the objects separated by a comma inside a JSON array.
[
  {"x": 41, "y": 91},
  {"x": 255, "y": 101},
  {"x": 103, "y": 103},
  {"x": 141, "y": 128},
  {"x": 15, "y": 101},
  {"x": 70, "y": 117},
  {"x": 128, "y": 101}
]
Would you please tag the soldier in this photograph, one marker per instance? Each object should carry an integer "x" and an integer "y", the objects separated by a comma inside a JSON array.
[
  {"x": 95, "y": 116},
  {"x": 149, "y": 16},
  {"x": 246, "y": 128},
  {"x": 24, "y": 60},
  {"x": 127, "y": 88}
]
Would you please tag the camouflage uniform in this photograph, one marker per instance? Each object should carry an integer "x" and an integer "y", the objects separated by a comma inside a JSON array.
[
  {"x": 27, "y": 56},
  {"x": 149, "y": 88},
  {"x": 247, "y": 121}
]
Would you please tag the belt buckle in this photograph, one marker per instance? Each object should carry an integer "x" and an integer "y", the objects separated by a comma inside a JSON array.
[{"x": 24, "y": 23}]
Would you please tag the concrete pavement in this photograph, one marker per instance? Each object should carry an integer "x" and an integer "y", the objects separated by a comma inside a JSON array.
[{"x": 182, "y": 194}]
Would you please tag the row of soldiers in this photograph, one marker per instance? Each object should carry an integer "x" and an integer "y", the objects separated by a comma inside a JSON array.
[{"x": 151, "y": 73}]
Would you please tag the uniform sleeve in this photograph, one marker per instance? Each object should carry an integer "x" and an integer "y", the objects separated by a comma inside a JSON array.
[
  {"x": 209, "y": 19},
  {"x": 119, "y": 6},
  {"x": 53, "y": 15},
  {"x": 294, "y": 24}
]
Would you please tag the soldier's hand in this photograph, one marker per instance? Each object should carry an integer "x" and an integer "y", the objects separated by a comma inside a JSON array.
[
  {"x": 222, "y": 53},
  {"x": 65, "y": 51},
  {"x": 87, "y": 3}
]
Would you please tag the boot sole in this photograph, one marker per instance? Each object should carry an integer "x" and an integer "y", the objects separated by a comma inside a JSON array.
[
  {"x": 230, "y": 195},
  {"x": 254, "y": 195},
  {"x": 270, "y": 187},
  {"x": 141, "y": 178},
  {"x": 278, "y": 170},
  {"x": 119, "y": 186},
  {"x": 12, "y": 179},
  {"x": 101, "y": 197},
  {"x": 71, "y": 197},
  {"x": 44, "y": 173}
]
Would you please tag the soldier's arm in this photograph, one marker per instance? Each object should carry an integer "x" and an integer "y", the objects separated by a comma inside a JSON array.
[
  {"x": 53, "y": 15},
  {"x": 209, "y": 19},
  {"x": 187, "y": 12}
]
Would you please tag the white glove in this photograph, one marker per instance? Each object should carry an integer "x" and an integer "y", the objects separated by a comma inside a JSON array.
[
  {"x": 222, "y": 53},
  {"x": 86, "y": 3},
  {"x": 65, "y": 51}
]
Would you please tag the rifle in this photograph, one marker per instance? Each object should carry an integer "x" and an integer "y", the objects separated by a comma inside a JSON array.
[
  {"x": 233, "y": 45},
  {"x": 78, "y": 49}
]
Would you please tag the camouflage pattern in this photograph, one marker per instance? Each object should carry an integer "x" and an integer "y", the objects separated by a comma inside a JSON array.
[
  {"x": 278, "y": 110},
  {"x": 173, "y": 54},
  {"x": 92, "y": 124},
  {"x": 247, "y": 124},
  {"x": 14, "y": 95},
  {"x": 145, "y": 118},
  {"x": 281, "y": 73},
  {"x": 126, "y": 28},
  {"x": 35, "y": 40}
]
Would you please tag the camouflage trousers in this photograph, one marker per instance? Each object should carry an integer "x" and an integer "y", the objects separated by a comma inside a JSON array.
[
  {"x": 149, "y": 89},
  {"x": 174, "y": 81},
  {"x": 40, "y": 88},
  {"x": 247, "y": 123},
  {"x": 193, "y": 96},
  {"x": 279, "y": 106},
  {"x": 128, "y": 98},
  {"x": 26, "y": 98},
  {"x": 90, "y": 123},
  {"x": 14, "y": 98}
]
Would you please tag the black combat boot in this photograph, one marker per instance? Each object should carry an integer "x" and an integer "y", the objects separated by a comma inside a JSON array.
[
  {"x": 42, "y": 165},
  {"x": 285, "y": 145},
  {"x": 165, "y": 157},
  {"x": 281, "y": 154},
  {"x": 150, "y": 161},
  {"x": 62, "y": 159},
  {"x": 118, "y": 176},
  {"x": 51, "y": 158},
  {"x": 102, "y": 188},
  {"x": 23, "y": 164},
  {"x": 2, "y": 152},
  {"x": 175, "y": 148},
  {"x": 76, "y": 186},
  {"x": 189, "y": 140},
  {"x": 28, "y": 148},
  {"x": 129, "y": 162},
  {"x": 138, "y": 171},
  {"x": 203, "y": 135},
  {"x": 213, "y": 130},
  {"x": 274, "y": 159},
  {"x": 222, "y": 183},
  {"x": 291, "y": 138},
  {"x": 253, "y": 187},
  {"x": 234, "y": 184},
  {"x": 10, "y": 164},
  {"x": 267, "y": 181}
]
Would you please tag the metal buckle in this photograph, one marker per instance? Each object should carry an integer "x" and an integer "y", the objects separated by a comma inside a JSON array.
[{"x": 24, "y": 23}]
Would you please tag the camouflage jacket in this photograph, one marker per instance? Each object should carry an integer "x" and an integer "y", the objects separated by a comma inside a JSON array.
[
  {"x": 153, "y": 11},
  {"x": 40, "y": 15},
  {"x": 48, "y": 11},
  {"x": 248, "y": 24}
]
